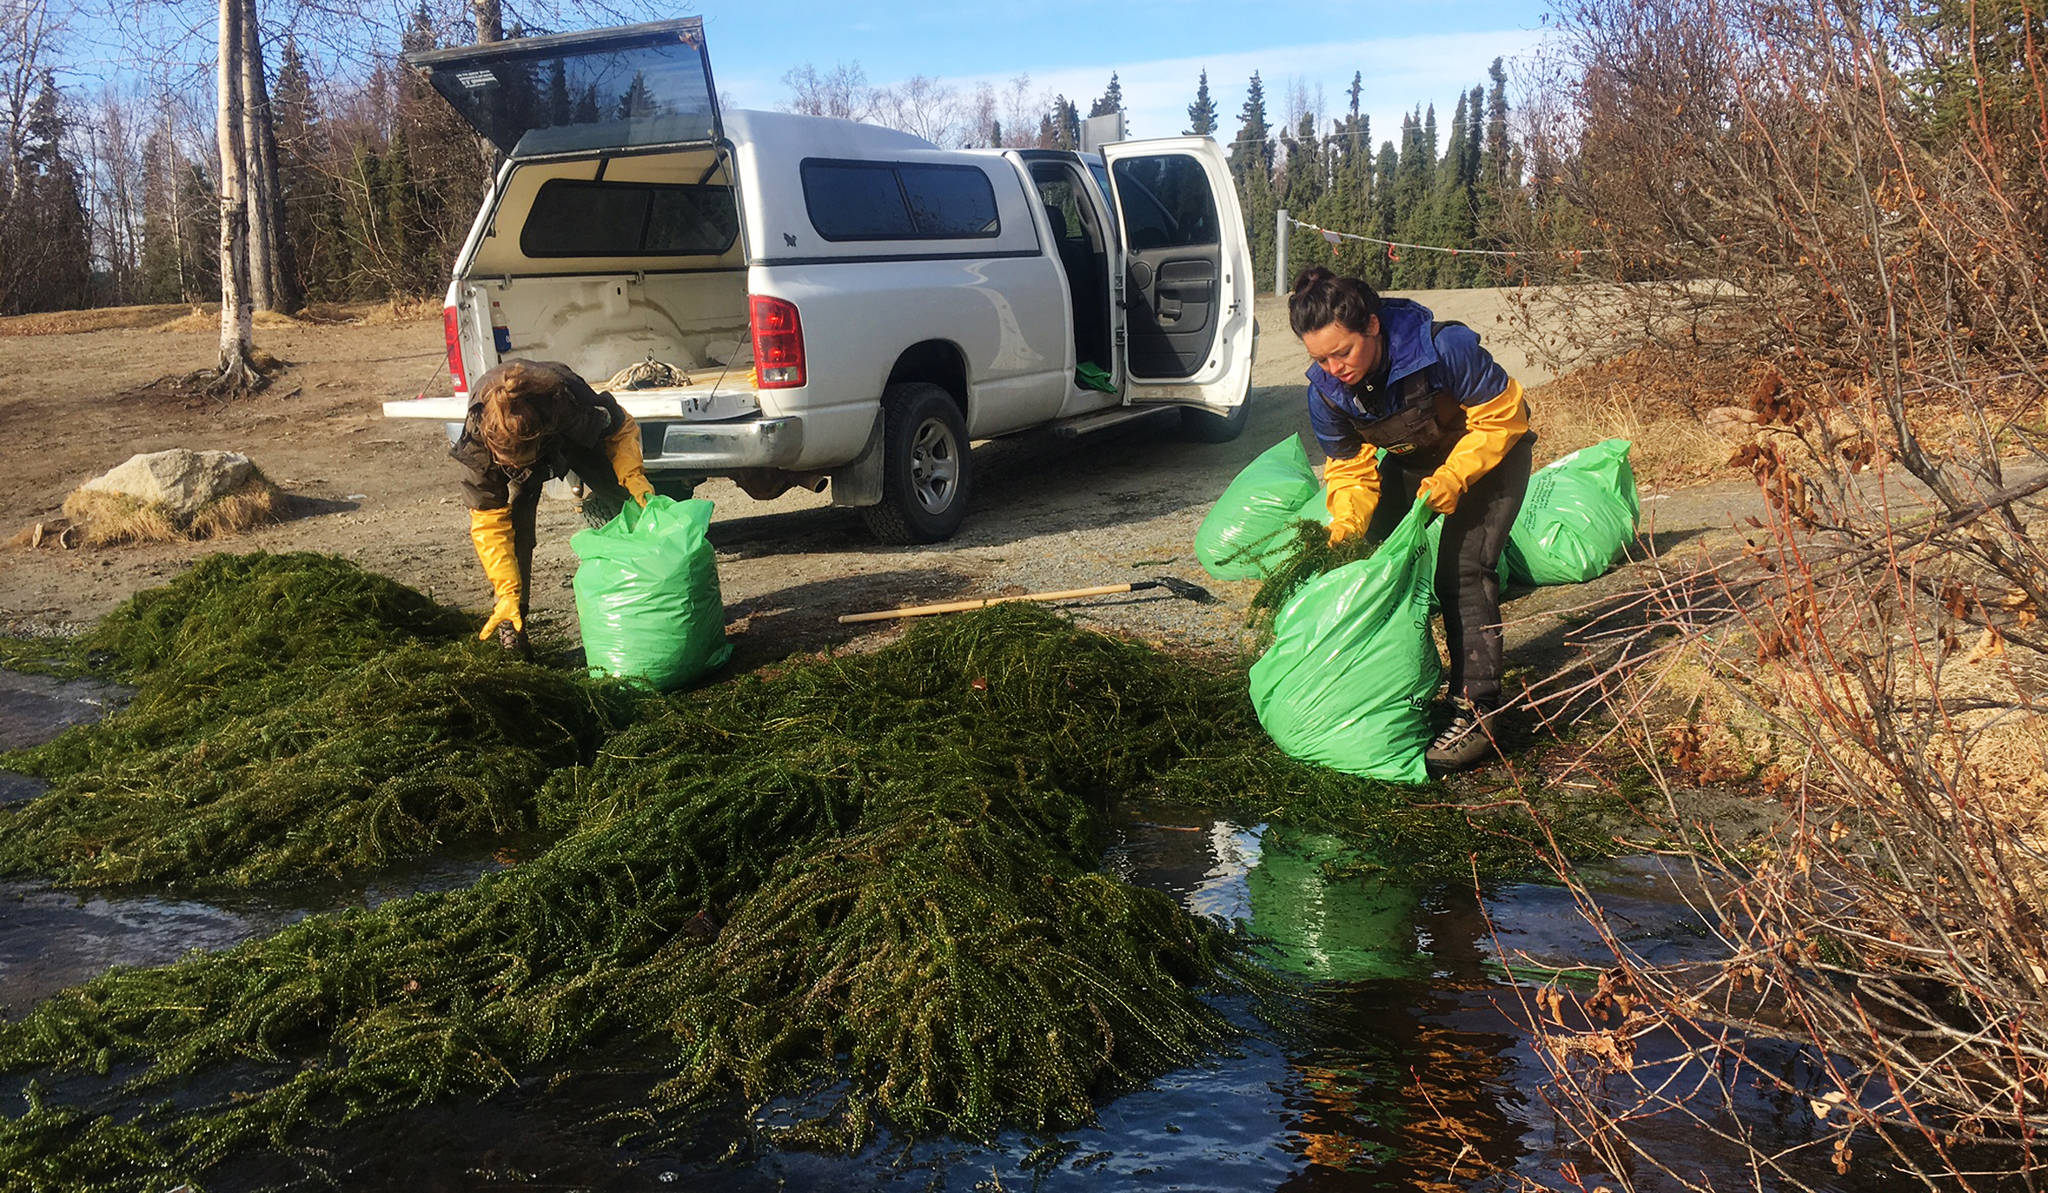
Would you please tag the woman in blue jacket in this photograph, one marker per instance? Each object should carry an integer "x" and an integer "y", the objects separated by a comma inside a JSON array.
[{"x": 1455, "y": 429}]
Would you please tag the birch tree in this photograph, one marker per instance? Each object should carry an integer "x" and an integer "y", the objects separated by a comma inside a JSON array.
[{"x": 236, "y": 370}]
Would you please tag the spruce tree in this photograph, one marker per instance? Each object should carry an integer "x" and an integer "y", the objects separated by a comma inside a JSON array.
[
  {"x": 1251, "y": 163},
  {"x": 637, "y": 103},
  {"x": 1419, "y": 210},
  {"x": 312, "y": 210},
  {"x": 1355, "y": 144},
  {"x": 1202, "y": 113},
  {"x": 1385, "y": 172},
  {"x": 1298, "y": 188},
  {"x": 558, "y": 108},
  {"x": 1498, "y": 172},
  {"x": 1111, "y": 99},
  {"x": 1251, "y": 152},
  {"x": 1411, "y": 178},
  {"x": 162, "y": 269},
  {"x": 1066, "y": 124},
  {"x": 1450, "y": 224},
  {"x": 45, "y": 241}
]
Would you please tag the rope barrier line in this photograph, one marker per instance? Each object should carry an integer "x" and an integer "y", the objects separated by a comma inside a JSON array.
[{"x": 1335, "y": 237}]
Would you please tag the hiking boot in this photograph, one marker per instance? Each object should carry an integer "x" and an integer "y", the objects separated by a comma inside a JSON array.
[{"x": 1465, "y": 742}]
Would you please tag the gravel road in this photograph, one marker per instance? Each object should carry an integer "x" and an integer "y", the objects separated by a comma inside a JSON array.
[{"x": 1047, "y": 513}]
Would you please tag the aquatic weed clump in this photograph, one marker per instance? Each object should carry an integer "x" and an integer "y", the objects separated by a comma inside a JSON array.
[
  {"x": 271, "y": 611},
  {"x": 295, "y": 719},
  {"x": 868, "y": 886},
  {"x": 381, "y": 763},
  {"x": 1308, "y": 555},
  {"x": 870, "y": 874}
]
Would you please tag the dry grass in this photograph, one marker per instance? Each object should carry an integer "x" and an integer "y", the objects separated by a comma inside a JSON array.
[
  {"x": 208, "y": 319},
  {"x": 111, "y": 519},
  {"x": 57, "y": 323},
  {"x": 181, "y": 317},
  {"x": 1653, "y": 399}
]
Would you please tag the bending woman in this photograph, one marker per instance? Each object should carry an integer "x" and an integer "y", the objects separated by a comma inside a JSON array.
[
  {"x": 1456, "y": 433},
  {"x": 533, "y": 421}
]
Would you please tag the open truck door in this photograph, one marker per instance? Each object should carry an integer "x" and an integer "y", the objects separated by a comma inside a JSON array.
[
  {"x": 636, "y": 87},
  {"x": 1188, "y": 332}
]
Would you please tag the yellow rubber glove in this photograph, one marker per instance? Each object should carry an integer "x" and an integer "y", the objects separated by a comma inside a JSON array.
[
  {"x": 1491, "y": 428},
  {"x": 1354, "y": 492},
  {"x": 491, "y": 531},
  {"x": 622, "y": 448},
  {"x": 1439, "y": 493}
]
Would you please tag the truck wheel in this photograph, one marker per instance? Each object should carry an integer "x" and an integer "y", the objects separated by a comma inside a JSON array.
[
  {"x": 926, "y": 467},
  {"x": 1207, "y": 426}
]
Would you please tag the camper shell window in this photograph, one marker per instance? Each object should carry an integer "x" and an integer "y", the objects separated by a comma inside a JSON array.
[
  {"x": 852, "y": 200},
  {"x": 573, "y": 218}
]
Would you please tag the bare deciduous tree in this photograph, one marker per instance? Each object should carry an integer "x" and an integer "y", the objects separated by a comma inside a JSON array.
[
  {"x": 922, "y": 106},
  {"x": 26, "y": 31},
  {"x": 235, "y": 371},
  {"x": 843, "y": 92},
  {"x": 1837, "y": 207}
]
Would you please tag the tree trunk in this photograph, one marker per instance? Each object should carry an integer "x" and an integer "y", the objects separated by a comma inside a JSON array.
[
  {"x": 262, "y": 237},
  {"x": 174, "y": 170},
  {"x": 269, "y": 249},
  {"x": 490, "y": 23},
  {"x": 490, "y": 27},
  {"x": 235, "y": 374}
]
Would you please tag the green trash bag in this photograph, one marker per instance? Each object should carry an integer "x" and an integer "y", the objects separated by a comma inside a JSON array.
[
  {"x": 647, "y": 593},
  {"x": 1348, "y": 679},
  {"x": 1579, "y": 517},
  {"x": 1316, "y": 508},
  {"x": 1249, "y": 529}
]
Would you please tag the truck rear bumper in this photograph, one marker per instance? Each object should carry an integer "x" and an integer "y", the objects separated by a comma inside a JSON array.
[
  {"x": 707, "y": 447},
  {"x": 720, "y": 447}
]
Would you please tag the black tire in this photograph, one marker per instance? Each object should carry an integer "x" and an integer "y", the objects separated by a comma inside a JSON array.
[
  {"x": 602, "y": 505},
  {"x": 1206, "y": 426},
  {"x": 927, "y": 470}
]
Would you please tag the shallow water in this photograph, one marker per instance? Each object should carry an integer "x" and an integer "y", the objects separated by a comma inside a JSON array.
[
  {"x": 1411, "y": 1069},
  {"x": 36, "y": 708}
]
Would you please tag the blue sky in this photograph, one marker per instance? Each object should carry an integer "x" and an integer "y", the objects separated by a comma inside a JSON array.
[
  {"x": 1418, "y": 53},
  {"x": 1422, "y": 52}
]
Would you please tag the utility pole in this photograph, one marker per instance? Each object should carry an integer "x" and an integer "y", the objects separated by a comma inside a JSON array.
[{"x": 1281, "y": 226}]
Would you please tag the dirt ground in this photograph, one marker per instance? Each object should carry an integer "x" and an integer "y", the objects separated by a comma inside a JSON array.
[{"x": 1047, "y": 513}]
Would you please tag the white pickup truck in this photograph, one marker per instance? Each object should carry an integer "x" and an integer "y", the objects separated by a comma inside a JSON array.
[{"x": 830, "y": 302}]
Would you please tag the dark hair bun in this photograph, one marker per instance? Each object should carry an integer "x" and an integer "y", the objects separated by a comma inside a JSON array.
[
  {"x": 1321, "y": 298},
  {"x": 1312, "y": 276}
]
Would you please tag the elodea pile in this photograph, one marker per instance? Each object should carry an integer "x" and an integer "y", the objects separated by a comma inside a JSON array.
[
  {"x": 295, "y": 718},
  {"x": 870, "y": 882}
]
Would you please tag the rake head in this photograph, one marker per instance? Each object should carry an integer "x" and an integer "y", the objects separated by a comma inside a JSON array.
[{"x": 1181, "y": 588}]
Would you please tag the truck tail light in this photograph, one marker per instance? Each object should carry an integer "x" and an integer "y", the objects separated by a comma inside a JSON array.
[
  {"x": 451, "y": 326},
  {"x": 778, "y": 342}
]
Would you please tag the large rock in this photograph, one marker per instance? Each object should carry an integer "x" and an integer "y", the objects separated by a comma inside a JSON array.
[{"x": 180, "y": 481}]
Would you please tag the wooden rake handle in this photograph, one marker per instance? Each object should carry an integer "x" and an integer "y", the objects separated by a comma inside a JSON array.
[{"x": 985, "y": 602}]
